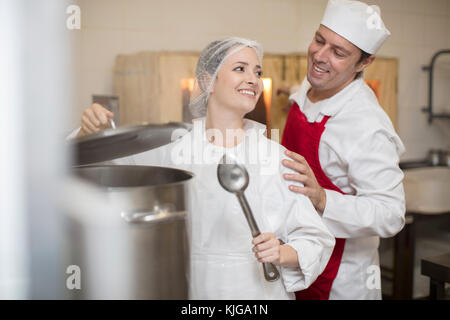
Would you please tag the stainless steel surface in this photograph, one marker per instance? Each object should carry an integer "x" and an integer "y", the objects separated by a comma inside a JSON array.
[
  {"x": 153, "y": 203},
  {"x": 439, "y": 157},
  {"x": 234, "y": 178},
  {"x": 433, "y": 157},
  {"x": 124, "y": 141},
  {"x": 426, "y": 190}
]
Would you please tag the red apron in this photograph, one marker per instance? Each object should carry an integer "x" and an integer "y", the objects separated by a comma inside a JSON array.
[{"x": 303, "y": 138}]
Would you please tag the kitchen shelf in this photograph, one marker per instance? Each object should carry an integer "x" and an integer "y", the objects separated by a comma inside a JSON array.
[{"x": 429, "y": 108}]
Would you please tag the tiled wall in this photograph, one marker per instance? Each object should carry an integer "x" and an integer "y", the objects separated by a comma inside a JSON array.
[{"x": 419, "y": 28}]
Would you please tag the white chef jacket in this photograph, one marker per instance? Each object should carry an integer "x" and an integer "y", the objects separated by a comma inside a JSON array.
[
  {"x": 359, "y": 152},
  {"x": 223, "y": 265}
]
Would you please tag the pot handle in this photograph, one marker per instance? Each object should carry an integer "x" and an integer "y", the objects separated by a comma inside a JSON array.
[{"x": 151, "y": 216}]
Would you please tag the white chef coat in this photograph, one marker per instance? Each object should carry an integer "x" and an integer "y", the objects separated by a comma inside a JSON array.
[
  {"x": 223, "y": 265},
  {"x": 359, "y": 152}
]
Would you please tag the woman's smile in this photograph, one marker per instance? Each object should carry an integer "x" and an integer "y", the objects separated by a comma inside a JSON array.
[{"x": 248, "y": 93}]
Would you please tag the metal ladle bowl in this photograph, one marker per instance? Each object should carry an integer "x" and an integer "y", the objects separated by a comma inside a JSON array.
[{"x": 234, "y": 178}]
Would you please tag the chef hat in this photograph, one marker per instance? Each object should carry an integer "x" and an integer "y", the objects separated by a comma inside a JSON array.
[{"x": 357, "y": 22}]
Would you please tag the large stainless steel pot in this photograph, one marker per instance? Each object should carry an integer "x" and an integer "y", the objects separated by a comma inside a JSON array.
[{"x": 145, "y": 255}]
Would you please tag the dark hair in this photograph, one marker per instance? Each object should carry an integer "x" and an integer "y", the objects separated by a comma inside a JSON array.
[{"x": 364, "y": 55}]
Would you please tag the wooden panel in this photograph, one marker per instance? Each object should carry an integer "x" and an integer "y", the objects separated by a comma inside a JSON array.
[
  {"x": 173, "y": 68},
  {"x": 303, "y": 66},
  {"x": 136, "y": 86},
  {"x": 272, "y": 68},
  {"x": 385, "y": 70},
  {"x": 285, "y": 72},
  {"x": 148, "y": 84}
]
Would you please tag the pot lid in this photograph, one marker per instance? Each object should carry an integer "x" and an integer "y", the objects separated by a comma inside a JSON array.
[{"x": 124, "y": 141}]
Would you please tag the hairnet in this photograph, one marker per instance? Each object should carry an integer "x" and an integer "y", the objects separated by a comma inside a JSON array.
[{"x": 208, "y": 65}]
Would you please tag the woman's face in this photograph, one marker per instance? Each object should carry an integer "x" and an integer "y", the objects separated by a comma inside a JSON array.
[{"x": 238, "y": 85}]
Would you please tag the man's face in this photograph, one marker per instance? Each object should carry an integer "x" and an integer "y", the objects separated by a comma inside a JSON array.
[{"x": 332, "y": 61}]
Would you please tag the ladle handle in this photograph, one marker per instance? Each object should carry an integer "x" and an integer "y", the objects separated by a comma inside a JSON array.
[
  {"x": 248, "y": 214},
  {"x": 270, "y": 271},
  {"x": 112, "y": 123}
]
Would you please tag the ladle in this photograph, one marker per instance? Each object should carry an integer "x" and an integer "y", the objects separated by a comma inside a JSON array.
[{"x": 234, "y": 178}]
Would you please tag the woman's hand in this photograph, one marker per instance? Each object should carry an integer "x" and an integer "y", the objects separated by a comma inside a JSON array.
[
  {"x": 94, "y": 119},
  {"x": 312, "y": 188},
  {"x": 267, "y": 248}
]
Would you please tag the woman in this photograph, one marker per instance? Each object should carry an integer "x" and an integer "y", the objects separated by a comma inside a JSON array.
[{"x": 225, "y": 260}]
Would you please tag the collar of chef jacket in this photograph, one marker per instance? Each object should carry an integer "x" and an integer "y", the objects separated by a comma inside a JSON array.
[
  {"x": 327, "y": 107},
  {"x": 213, "y": 152},
  {"x": 200, "y": 123}
]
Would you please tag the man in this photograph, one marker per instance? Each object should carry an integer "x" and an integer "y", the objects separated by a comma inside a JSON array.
[{"x": 347, "y": 151}]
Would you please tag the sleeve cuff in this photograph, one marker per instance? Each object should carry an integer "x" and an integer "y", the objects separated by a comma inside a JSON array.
[
  {"x": 331, "y": 199},
  {"x": 296, "y": 279}
]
